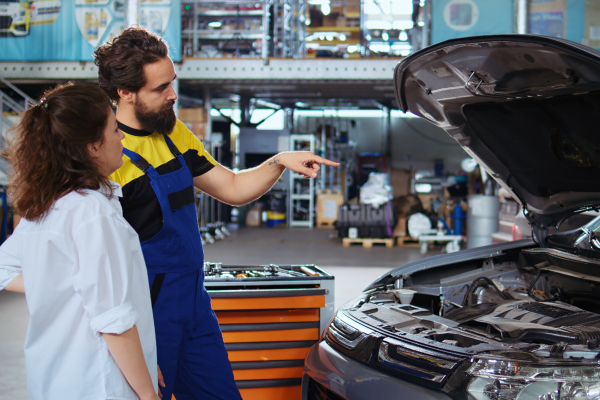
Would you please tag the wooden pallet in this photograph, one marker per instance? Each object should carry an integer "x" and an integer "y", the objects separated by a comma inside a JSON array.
[
  {"x": 325, "y": 224},
  {"x": 407, "y": 241},
  {"x": 368, "y": 242}
]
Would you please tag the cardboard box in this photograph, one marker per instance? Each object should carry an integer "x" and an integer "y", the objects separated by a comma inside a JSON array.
[
  {"x": 400, "y": 180},
  {"x": 197, "y": 128},
  {"x": 192, "y": 114},
  {"x": 400, "y": 229},
  {"x": 330, "y": 20},
  {"x": 328, "y": 203},
  {"x": 426, "y": 200},
  {"x": 254, "y": 216}
]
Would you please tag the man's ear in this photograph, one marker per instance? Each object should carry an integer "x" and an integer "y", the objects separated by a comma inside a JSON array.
[{"x": 125, "y": 95}]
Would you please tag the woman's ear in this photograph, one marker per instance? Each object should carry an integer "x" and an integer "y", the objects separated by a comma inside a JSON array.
[{"x": 94, "y": 149}]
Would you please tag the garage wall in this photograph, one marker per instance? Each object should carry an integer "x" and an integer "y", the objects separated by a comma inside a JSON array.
[{"x": 415, "y": 142}]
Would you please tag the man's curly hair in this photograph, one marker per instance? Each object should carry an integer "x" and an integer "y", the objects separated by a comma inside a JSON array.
[{"x": 121, "y": 62}]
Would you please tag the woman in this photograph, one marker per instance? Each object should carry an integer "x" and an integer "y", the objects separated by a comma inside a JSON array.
[{"x": 91, "y": 333}]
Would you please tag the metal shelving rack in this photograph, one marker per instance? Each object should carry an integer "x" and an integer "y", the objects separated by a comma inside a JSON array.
[
  {"x": 262, "y": 28},
  {"x": 302, "y": 192},
  {"x": 289, "y": 29},
  {"x": 226, "y": 26}
]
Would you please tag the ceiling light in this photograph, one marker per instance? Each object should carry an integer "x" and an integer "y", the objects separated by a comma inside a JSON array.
[
  {"x": 352, "y": 49},
  {"x": 307, "y": 22},
  {"x": 329, "y": 37},
  {"x": 376, "y": 24},
  {"x": 385, "y": 36},
  {"x": 215, "y": 24},
  {"x": 403, "y": 36},
  {"x": 368, "y": 37},
  {"x": 403, "y": 24},
  {"x": 342, "y": 37},
  {"x": 325, "y": 9},
  {"x": 421, "y": 23}
]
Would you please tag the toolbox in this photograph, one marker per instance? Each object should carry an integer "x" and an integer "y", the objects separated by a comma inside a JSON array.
[{"x": 270, "y": 316}]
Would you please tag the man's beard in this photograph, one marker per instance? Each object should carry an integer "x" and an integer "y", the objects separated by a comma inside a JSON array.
[{"x": 162, "y": 121}]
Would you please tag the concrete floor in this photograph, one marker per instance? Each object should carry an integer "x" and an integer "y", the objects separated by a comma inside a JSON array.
[{"x": 354, "y": 268}]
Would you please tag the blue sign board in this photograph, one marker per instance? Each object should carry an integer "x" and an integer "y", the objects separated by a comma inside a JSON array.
[
  {"x": 70, "y": 30},
  {"x": 460, "y": 18}
]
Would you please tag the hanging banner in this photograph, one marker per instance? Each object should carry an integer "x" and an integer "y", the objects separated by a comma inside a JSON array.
[
  {"x": 460, "y": 18},
  {"x": 70, "y": 30}
]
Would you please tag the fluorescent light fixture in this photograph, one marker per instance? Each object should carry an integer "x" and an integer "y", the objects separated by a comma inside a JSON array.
[
  {"x": 378, "y": 24},
  {"x": 403, "y": 36},
  {"x": 385, "y": 36},
  {"x": 342, "y": 37},
  {"x": 318, "y": 2},
  {"x": 402, "y": 6},
  {"x": 380, "y": 48},
  {"x": 423, "y": 188},
  {"x": 402, "y": 25},
  {"x": 312, "y": 45},
  {"x": 215, "y": 24},
  {"x": 401, "y": 46},
  {"x": 352, "y": 49},
  {"x": 326, "y": 9}
]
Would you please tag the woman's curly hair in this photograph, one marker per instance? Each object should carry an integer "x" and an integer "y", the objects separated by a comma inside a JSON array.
[{"x": 49, "y": 148}]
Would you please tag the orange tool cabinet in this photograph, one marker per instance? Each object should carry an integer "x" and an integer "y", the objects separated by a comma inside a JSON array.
[{"x": 270, "y": 316}]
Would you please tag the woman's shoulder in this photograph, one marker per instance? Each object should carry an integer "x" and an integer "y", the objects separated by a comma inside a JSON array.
[{"x": 86, "y": 203}]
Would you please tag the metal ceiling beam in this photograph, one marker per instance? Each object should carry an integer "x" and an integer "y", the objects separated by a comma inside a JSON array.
[{"x": 278, "y": 70}]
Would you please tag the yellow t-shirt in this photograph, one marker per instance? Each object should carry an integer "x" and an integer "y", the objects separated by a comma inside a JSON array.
[{"x": 140, "y": 205}]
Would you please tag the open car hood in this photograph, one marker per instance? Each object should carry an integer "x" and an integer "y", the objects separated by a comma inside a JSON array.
[{"x": 525, "y": 107}]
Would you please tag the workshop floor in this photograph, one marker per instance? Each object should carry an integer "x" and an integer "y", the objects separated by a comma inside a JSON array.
[{"x": 354, "y": 268}]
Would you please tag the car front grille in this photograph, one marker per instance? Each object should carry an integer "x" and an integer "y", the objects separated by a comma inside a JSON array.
[
  {"x": 5, "y": 22},
  {"x": 316, "y": 391}
]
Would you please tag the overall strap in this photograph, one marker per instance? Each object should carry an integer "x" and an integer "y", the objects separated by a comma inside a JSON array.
[
  {"x": 140, "y": 162},
  {"x": 172, "y": 146}
]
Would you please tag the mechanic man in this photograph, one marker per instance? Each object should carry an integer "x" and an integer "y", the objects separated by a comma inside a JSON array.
[{"x": 163, "y": 162}]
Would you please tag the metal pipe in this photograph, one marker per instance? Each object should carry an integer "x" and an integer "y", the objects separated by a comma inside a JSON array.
[
  {"x": 426, "y": 27},
  {"x": 522, "y": 14},
  {"x": 133, "y": 13},
  {"x": 265, "y": 33},
  {"x": 208, "y": 108}
]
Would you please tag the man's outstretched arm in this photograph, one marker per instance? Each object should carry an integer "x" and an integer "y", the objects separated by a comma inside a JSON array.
[{"x": 248, "y": 185}]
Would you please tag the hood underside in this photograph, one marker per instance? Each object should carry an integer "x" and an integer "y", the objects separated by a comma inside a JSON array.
[{"x": 525, "y": 107}]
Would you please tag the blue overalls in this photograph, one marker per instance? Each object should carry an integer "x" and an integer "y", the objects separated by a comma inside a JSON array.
[{"x": 191, "y": 352}]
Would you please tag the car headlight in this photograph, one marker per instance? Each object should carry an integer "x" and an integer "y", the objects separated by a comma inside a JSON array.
[
  {"x": 493, "y": 379},
  {"x": 342, "y": 332}
]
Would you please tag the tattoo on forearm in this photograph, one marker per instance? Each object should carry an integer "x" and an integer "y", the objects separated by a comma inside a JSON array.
[{"x": 274, "y": 162}]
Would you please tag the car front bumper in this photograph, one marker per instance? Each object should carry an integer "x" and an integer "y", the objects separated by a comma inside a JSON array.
[{"x": 339, "y": 377}]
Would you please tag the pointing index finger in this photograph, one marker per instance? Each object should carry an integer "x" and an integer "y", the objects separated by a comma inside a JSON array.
[{"x": 325, "y": 161}]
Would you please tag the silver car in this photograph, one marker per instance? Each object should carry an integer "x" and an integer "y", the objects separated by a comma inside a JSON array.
[{"x": 517, "y": 320}]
